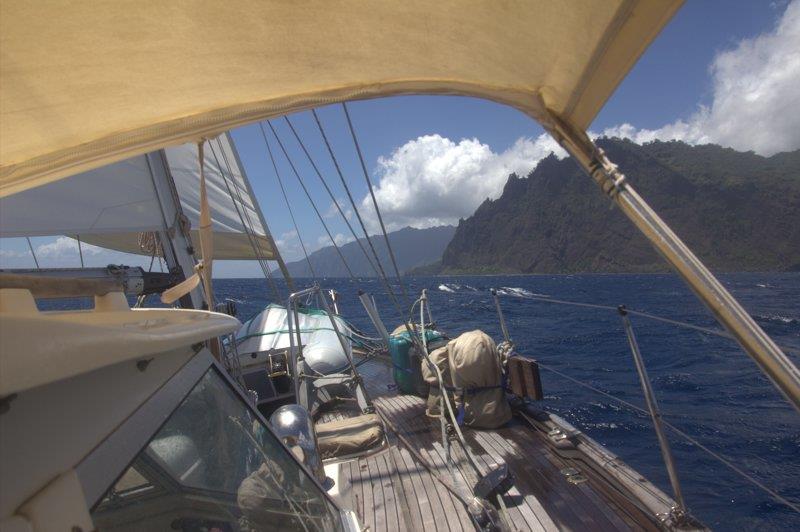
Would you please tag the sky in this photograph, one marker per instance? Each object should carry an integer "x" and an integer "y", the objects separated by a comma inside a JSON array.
[{"x": 723, "y": 71}]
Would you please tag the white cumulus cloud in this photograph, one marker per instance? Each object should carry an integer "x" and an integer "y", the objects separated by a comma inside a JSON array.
[
  {"x": 63, "y": 247},
  {"x": 339, "y": 238},
  {"x": 755, "y": 100},
  {"x": 433, "y": 180}
]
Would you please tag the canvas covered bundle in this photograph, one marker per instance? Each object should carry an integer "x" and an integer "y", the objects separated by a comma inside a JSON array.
[{"x": 473, "y": 378}]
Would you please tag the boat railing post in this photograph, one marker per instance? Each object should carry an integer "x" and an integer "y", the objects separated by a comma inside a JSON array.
[
  {"x": 652, "y": 406},
  {"x": 334, "y": 300},
  {"x": 362, "y": 396},
  {"x": 422, "y": 300},
  {"x": 293, "y": 350},
  {"x": 296, "y": 343},
  {"x": 503, "y": 327}
]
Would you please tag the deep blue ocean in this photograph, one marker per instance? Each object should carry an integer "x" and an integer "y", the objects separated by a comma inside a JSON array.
[{"x": 705, "y": 385}]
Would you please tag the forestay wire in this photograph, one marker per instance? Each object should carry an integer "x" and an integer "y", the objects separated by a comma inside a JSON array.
[
  {"x": 286, "y": 199},
  {"x": 311, "y": 200},
  {"x": 381, "y": 273},
  {"x": 247, "y": 225},
  {"x": 330, "y": 193},
  {"x": 375, "y": 203}
]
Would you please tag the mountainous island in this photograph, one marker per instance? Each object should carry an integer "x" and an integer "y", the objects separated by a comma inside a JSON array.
[
  {"x": 737, "y": 211},
  {"x": 412, "y": 248}
]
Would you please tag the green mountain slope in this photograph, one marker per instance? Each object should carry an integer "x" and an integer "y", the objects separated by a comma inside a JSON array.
[
  {"x": 737, "y": 211},
  {"x": 412, "y": 248}
]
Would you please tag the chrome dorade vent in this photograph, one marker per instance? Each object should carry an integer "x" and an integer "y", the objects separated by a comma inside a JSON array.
[{"x": 293, "y": 425}]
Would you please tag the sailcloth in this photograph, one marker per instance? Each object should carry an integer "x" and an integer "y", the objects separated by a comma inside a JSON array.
[{"x": 110, "y": 206}]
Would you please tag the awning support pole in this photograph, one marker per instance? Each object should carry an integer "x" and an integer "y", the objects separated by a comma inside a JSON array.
[
  {"x": 652, "y": 406},
  {"x": 756, "y": 343}
]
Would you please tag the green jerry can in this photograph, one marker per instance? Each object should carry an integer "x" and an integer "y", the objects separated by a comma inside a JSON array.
[{"x": 406, "y": 361}]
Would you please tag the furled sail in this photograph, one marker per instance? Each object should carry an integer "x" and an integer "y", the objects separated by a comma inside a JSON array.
[{"x": 110, "y": 206}]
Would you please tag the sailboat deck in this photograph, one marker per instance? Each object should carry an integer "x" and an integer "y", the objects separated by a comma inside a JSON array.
[{"x": 393, "y": 489}]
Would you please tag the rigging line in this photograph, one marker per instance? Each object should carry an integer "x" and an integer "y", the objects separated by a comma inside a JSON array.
[
  {"x": 255, "y": 237},
  {"x": 310, "y": 200},
  {"x": 375, "y": 202},
  {"x": 708, "y": 330},
  {"x": 248, "y": 229},
  {"x": 411, "y": 334},
  {"x": 80, "y": 251},
  {"x": 382, "y": 273},
  {"x": 330, "y": 193},
  {"x": 30, "y": 246},
  {"x": 286, "y": 199},
  {"x": 681, "y": 433}
]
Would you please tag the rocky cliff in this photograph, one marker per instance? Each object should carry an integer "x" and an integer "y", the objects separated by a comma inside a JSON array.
[{"x": 737, "y": 211}]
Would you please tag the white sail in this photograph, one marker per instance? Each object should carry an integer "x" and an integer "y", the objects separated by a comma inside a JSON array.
[
  {"x": 115, "y": 199},
  {"x": 110, "y": 206}
]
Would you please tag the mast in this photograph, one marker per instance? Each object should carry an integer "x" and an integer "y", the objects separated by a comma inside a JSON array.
[{"x": 175, "y": 239}]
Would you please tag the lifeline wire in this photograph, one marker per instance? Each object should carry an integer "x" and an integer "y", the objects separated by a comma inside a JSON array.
[
  {"x": 286, "y": 199},
  {"x": 678, "y": 431},
  {"x": 707, "y": 330}
]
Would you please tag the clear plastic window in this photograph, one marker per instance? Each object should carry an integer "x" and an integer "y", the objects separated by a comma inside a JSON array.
[{"x": 213, "y": 466}]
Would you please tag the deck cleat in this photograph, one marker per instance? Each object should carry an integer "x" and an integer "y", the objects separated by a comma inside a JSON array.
[
  {"x": 573, "y": 475},
  {"x": 497, "y": 481}
]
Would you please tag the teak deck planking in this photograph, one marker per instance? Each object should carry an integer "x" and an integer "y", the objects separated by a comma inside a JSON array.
[{"x": 392, "y": 490}]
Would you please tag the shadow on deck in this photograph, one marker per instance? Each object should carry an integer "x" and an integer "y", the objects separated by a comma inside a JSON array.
[{"x": 397, "y": 490}]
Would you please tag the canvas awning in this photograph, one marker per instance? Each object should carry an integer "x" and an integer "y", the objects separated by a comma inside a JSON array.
[{"x": 84, "y": 83}]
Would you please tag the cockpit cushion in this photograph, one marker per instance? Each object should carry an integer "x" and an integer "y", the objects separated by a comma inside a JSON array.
[{"x": 349, "y": 436}]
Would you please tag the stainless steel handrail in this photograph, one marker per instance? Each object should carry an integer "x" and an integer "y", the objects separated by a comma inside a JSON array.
[
  {"x": 772, "y": 361},
  {"x": 296, "y": 344},
  {"x": 679, "y": 512}
]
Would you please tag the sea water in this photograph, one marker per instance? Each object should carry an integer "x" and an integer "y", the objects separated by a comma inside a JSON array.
[{"x": 704, "y": 384}]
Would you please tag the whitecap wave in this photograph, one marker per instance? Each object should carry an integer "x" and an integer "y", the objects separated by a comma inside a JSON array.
[
  {"x": 518, "y": 292},
  {"x": 777, "y": 318},
  {"x": 445, "y": 288}
]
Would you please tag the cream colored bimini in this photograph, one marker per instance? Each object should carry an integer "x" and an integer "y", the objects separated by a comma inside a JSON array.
[
  {"x": 87, "y": 83},
  {"x": 121, "y": 418}
]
